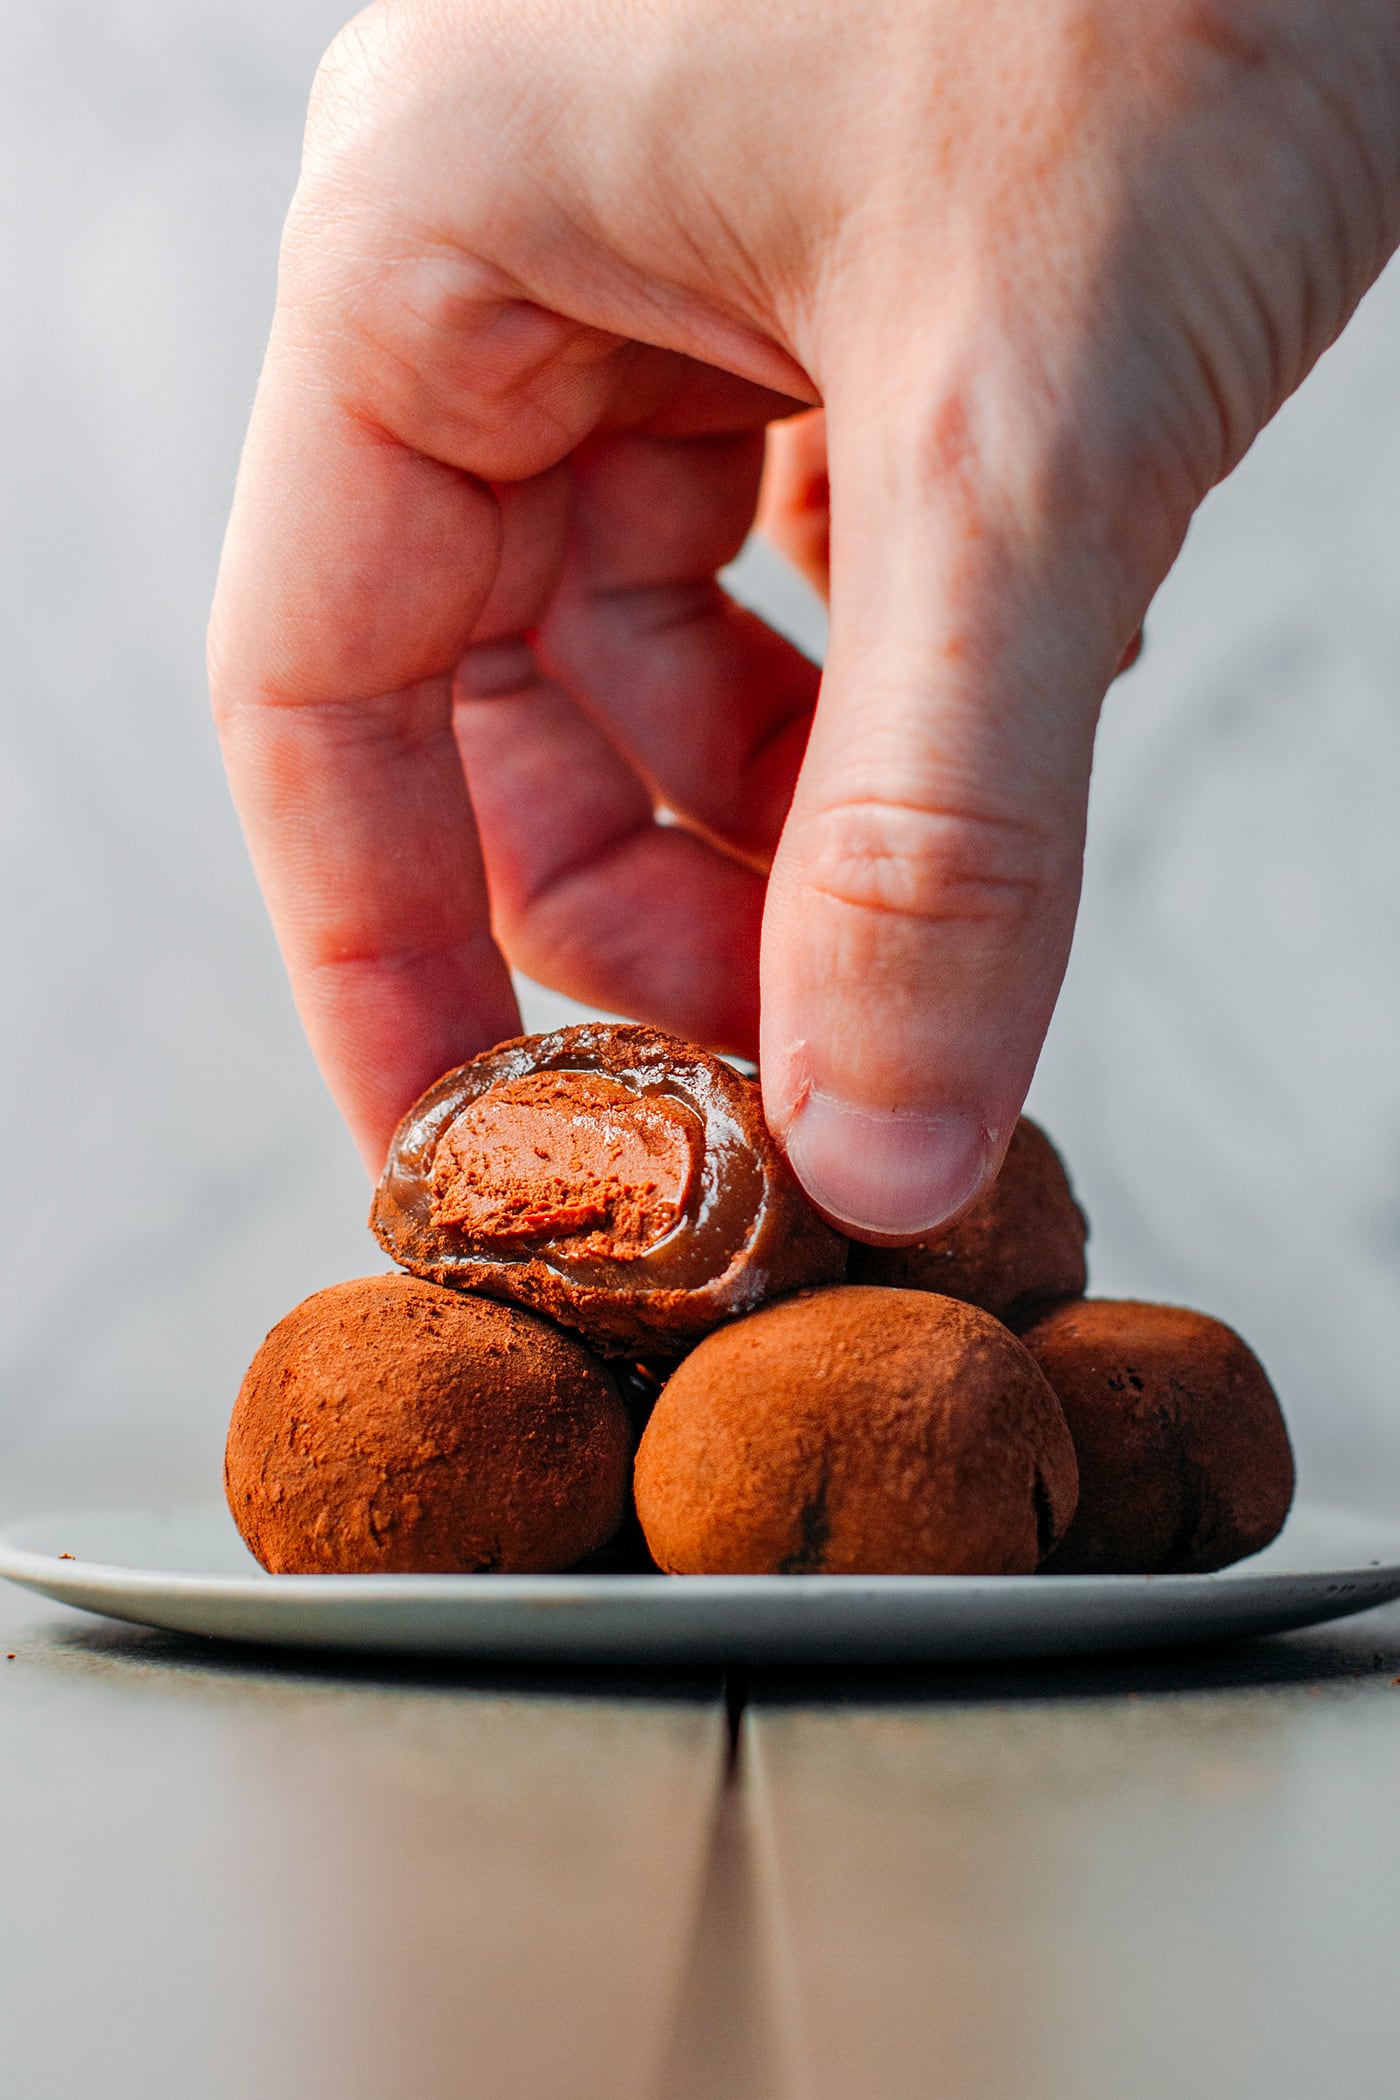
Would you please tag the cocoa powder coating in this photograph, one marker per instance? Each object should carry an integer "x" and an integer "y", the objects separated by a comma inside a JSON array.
[
  {"x": 622, "y": 1182},
  {"x": 388, "y": 1426},
  {"x": 1184, "y": 1459},
  {"x": 856, "y": 1431},
  {"x": 1019, "y": 1245}
]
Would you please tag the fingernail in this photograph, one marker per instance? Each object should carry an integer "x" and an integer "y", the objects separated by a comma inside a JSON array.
[{"x": 886, "y": 1175}]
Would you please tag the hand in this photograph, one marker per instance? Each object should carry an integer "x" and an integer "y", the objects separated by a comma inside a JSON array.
[{"x": 550, "y": 271}]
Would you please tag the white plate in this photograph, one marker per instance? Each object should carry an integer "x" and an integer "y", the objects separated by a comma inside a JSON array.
[{"x": 188, "y": 1571}]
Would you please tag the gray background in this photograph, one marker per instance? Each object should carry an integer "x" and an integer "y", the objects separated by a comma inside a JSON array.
[{"x": 1222, "y": 1071}]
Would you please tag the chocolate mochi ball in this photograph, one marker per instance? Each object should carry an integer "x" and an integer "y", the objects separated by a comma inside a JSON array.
[
  {"x": 856, "y": 1431},
  {"x": 1184, "y": 1459},
  {"x": 388, "y": 1426},
  {"x": 622, "y": 1182},
  {"x": 1019, "y": 1245}
]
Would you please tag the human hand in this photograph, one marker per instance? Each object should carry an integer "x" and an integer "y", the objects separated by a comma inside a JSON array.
[{"x": 549, "y": 272}]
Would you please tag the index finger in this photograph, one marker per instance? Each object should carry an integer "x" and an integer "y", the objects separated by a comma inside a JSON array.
[{"x": 352, "y": 572}]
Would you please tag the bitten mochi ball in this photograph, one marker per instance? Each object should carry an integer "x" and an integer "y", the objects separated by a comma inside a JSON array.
[
  {"x": 621, "y": 1181},
  {"x": 1019, "y": 1245},
  {"x": 389, "y": 1426},
  {"x": 1184, "y": 1459},
  {"x": 856, "y": 1431}
]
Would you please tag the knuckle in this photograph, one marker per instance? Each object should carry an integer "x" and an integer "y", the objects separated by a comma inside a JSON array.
[
  {"x": 431, "y": 337},
  {"x": 357, "y": 73},
  {"x": 952, "y": 866}
]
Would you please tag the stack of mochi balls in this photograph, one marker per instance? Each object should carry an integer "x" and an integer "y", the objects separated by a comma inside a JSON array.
[{"x": 619, "y": 1339}]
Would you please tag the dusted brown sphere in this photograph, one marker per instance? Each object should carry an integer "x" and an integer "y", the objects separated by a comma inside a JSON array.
[
  {"x": 1019, "y": 1245},
  {"x": 856, "y": 1432},
  {"x": 1184, "y": 1461},
  {"x": 389, "y": 1426}
]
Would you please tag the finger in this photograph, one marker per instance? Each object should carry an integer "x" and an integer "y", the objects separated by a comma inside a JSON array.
[
  {"x": 794, "y": 504},
  {"x": 709, "y": 705},
  {"x": 922, "y": 903},
  {"x": 589, "y": 893},
  {"x": 403, "y": 379},
  {"x": 353, "y": 572}
]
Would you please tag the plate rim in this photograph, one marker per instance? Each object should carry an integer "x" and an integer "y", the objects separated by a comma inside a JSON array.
[
  {"x": 632, "y": 1621},
  {"x": 23, "y": 1564}
]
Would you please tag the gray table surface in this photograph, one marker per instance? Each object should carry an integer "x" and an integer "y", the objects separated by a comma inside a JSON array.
[{"x": 248, "y": 1876}]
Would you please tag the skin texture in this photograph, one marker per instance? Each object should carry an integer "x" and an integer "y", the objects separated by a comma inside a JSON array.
[
  {"x": 1184, "y": 1459},
  {"x": 856, "y": 1432},
  {"x": 550, "y": 271},
  {"x": 1019, "y": 1245},
  {"x": 794, "y": 505},
  {"x": 387, "y": 1426}
]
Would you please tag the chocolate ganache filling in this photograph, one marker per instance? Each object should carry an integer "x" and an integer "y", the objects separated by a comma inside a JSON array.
[
  {"x": 621, "y": 1181},
  {"x": 574, "y": 1158}
]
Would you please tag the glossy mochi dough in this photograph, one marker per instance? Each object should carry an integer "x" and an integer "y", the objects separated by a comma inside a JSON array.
[
  {"x": 387, "y": 1426},
  {"x": 620, "y": 1181},
  {"x": 1184, "y": 1459},
  {"x": 1018, "y": 1246},
  {"x": 856, "y": 1431}
]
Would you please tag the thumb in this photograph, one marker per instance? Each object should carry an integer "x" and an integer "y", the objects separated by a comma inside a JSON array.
[{"x": 922, "y": 902}]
